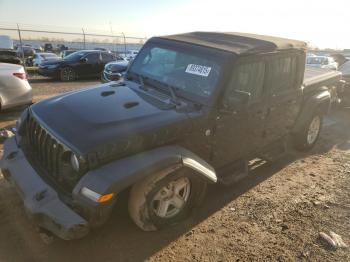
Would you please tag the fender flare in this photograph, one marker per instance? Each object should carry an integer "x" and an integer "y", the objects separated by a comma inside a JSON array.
[
  {"x": 319, "y": 102},
  {"x": 122, "y": 173}
]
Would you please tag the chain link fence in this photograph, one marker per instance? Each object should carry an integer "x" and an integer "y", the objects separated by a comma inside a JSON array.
[{"x": 62, "y": 38}]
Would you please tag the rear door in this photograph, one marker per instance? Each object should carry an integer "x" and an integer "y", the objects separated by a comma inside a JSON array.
[
  {"x": 241, "y": 132},
  {"x": 284, "y": 86}
]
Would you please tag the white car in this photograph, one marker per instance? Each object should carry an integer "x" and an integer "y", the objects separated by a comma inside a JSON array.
[
  {"x": 130, "y": 55},
  {"x": 38, "y": 58},
  {"x": 322, "y": 62},
  {"x": 14, "y": 87}
]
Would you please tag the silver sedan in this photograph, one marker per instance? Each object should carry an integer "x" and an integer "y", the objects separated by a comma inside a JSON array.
[{"x": 14, "y": 87}]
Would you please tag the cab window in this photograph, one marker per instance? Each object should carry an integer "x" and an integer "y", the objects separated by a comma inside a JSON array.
[
  {"x": 282, "y": 72},
  {"x": 247, "y": 77}
]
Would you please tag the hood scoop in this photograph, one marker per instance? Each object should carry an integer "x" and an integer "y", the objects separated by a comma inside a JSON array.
[
  {"x": 107, "y": 93},
  {"x": 128, "y": 105}
]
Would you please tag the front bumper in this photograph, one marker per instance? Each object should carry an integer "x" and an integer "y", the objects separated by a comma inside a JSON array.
[{"x": 41, "y": 201}]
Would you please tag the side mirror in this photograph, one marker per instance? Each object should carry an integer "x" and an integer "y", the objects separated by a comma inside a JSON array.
[
  {"x": 236, "y": 101},
  {"x": 84, "y": 60}
]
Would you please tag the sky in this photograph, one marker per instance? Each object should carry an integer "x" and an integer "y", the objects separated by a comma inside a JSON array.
[{"x": 322, "y": 23}]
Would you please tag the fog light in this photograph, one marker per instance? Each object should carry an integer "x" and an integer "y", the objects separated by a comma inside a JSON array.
[{"x": 96, "y": 197}]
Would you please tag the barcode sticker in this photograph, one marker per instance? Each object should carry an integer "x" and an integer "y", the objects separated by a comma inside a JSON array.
[{"x": 198, "y": 70}]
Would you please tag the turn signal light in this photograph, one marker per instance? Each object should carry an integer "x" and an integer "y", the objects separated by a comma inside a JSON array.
[
  {"x": 105, "y": 198},
  {"x": 94, "y": 196}
]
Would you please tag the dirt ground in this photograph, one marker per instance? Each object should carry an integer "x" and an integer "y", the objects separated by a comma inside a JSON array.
[{"x": 275, "y": 214}]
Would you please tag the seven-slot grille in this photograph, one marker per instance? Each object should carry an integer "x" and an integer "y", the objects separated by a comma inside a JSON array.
[{"x": 43, "y": 148}]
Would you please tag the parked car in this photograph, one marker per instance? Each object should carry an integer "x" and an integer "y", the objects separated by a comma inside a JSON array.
[
  {"x": 48, "y": 47},
  {"x": 193, "y": 109},
  {"x": 79, "y": 64},
  {"x": 39, "y": 58},
  {"x": 65, "y": 53},
  {"x": 7, "y": 52},
  {"x": 6, "y": 42},
  {"x": 27, "y": 51},
  {"x": 61, "y": 47},
  {"x": 9, "y": 56},
  {"x": 38, "y": 48},
  {"x": 14, "y": 87},
  {"x": 113, "y": 70},
  {"x": 322, "y": 62}
]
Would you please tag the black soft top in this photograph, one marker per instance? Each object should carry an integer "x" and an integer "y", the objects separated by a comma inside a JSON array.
[{"x": 238, "y": 43}]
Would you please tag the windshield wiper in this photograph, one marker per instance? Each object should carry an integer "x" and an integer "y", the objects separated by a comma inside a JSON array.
[
  {"x": 171, "y": 89},
  {"x": 173, "y": 94}
]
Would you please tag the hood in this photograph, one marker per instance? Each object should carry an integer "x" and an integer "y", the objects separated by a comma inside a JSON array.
[{"x": 110, "y": 120}]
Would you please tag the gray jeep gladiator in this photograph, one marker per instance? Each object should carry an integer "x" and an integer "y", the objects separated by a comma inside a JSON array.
[{"x": 193, "y": 109}]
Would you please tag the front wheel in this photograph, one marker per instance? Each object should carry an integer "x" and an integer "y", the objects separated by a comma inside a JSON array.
[
  {"x": 67, "y": 74},
  {"x": 165, "y": 199},
  {"x": 308, "y": 136}
]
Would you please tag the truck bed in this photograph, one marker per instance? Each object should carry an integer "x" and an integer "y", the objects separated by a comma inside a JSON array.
[{"x": 314, "y": 77}]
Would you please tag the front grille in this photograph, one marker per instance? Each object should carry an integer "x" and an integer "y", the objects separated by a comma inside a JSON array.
[{"x": 43, "y": 148}]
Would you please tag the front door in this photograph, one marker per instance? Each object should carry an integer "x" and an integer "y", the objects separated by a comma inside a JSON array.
[{"x": 241, "y": 131}]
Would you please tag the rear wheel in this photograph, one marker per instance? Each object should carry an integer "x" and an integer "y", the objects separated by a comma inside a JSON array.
[
  {"x": 67, "y": 74},
  {"x": 165, "y": 199},
  {"x": 308, "y": 136}
]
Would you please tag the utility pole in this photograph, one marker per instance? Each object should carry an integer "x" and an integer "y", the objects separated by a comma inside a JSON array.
[
  {"x": 84, "y": 38},
  {"x": 22, "y": 51}
]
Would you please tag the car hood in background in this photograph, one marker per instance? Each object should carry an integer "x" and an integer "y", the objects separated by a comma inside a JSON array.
[{"x": 110, "y": 120}]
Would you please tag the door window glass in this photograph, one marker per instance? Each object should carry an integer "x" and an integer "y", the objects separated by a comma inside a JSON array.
[
  {"x": 248, "y": 77},
  {"x": 93, "y": 58}
]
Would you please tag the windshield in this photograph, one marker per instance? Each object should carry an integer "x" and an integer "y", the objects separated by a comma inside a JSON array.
[
  {"x": 316, "y": 60},
  {"x": 75, "y": 55},
  {"x": 188, "y": 71}
]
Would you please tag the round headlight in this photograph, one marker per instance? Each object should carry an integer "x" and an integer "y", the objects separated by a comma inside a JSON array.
[{"x": 74, "y": 161}]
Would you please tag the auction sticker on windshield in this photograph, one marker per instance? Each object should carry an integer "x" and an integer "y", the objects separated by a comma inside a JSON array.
[{"x": 198, "y": 70}]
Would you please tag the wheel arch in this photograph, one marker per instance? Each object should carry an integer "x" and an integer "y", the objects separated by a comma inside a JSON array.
[
  {"x": 121, "y": 174},
  {"x": 320, "y": 102}
]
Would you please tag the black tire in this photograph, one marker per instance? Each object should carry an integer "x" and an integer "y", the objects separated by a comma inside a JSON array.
[
  {"x": 67, "y": 74},
  {"x": 301, "y": 140},
  {"x": 142, "y": 203}
]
